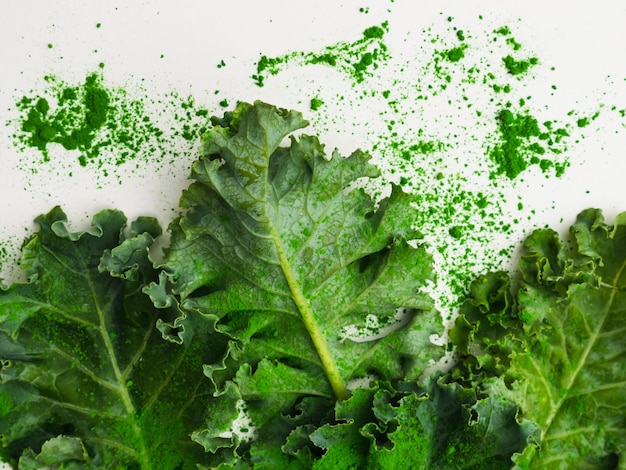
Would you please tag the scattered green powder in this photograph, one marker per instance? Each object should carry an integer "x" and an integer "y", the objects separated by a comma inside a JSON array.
[
  {"x": 356, "y": 59},
  {"x": 510, "y": 40},
  {"x": 459, "y": 198},
  {"x": 515, "y": 66},
  {"x": 104, "y": 128},
  {"x": 9, "y": 257},
  {"x": 101, "y": 127}
]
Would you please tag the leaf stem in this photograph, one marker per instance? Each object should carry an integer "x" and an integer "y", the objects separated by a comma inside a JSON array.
[{"x": 328, "y": 363}]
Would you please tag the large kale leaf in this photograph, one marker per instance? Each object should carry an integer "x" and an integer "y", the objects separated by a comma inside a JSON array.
[
  {"x": 289, "y": 262},
  {"x": 86, "y": 380},
  {"x": 556, "y": 345}
]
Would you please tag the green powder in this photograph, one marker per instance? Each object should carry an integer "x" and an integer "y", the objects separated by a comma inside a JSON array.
[
  {"x": 80, "y": 114},
  {"x": 583, "y": 122},
  {"x": 522, "y": 142},
  {"x": 510, "y": 40},
  {"x": 456, "y": 54},
  {"x": 517, "y": 67},
  {"x": 104, "y": 128},
  {"x": 356, "y": 59},
  {"x": 316, "y": 104},
  {"x": 9, "y": 257}
]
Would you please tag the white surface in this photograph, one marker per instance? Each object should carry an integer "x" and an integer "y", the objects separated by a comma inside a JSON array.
[{"x": 584, "y": 42}]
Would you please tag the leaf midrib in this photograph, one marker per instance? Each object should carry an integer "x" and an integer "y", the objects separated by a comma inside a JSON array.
[
  {"x": 301, "y": 303},
  {"x": 310, "y": 323},
  {"x": 142, "y": 454}
]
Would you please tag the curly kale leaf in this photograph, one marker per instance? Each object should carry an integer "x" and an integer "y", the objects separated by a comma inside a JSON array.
[
  {"x": 86, "y": 380},
  {"x": 437, "y": 425},
  {"x": 288, "y": 260},
  {"x": 555, "y": 346}
]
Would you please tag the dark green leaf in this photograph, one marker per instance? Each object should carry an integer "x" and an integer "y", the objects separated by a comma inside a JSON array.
[
  {"x": 85, "y": 376},
  {"x": 288, "y": 260},
  {"x": 559, "y": 347}
]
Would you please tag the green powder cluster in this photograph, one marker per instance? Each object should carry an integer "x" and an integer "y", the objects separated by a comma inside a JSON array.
[
  {"x": 104, "y": 128},
  {"x": 515, "y": 66},
  {"x": 356, "y": 59},
  {"x": 522, "y": 142}
]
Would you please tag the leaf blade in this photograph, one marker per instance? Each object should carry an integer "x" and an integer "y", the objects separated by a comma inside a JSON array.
[{"x": 82, "y": 363}]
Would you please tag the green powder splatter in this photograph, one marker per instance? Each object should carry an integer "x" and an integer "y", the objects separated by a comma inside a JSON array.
[
  {"x": 510, "y": 40},
  {"x": 470, "y": 147},
  {"x": 515, "y": 66},
  {"x": 9, "y": 258},
  {"x": 75, "y": 123},
  {"x": 456, "y": 54},
  {"x": 104, "y": 128},
  {"x": 356, "y": 59},
  {"x": 583, "y": 122}
]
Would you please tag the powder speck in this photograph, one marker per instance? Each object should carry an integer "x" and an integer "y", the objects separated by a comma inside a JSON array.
[{"x": 316, "y": 104}]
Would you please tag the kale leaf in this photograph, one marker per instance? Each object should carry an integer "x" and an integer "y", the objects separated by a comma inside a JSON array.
[
  {"x": 285, "y": 257},
  {"x": 555, "y": 344},
  {"x": 85, "y": 378}
]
